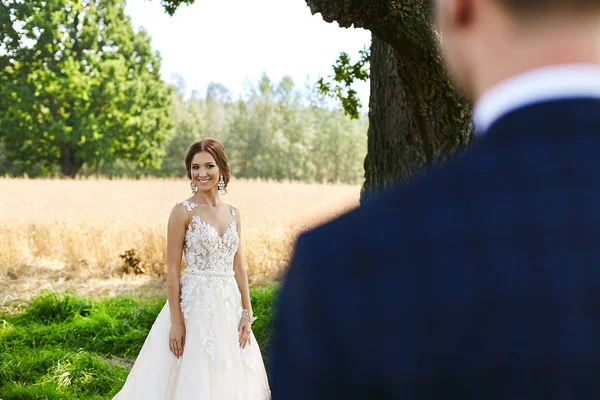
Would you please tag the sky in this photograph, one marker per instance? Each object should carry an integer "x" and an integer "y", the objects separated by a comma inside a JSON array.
[{"x": 234, "y": 42}]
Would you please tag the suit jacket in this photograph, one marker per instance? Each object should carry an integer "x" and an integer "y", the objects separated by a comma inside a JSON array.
[{"x": 478, "y": 280}]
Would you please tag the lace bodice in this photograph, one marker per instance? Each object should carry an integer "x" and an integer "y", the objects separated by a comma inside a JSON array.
[{"x": 204, "y": 250}]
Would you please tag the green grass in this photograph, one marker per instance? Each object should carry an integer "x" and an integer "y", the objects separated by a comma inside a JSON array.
[{"x": 64, "y": 346}]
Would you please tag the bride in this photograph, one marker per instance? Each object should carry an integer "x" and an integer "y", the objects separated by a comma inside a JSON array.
[{"x": 201, "y": 345}]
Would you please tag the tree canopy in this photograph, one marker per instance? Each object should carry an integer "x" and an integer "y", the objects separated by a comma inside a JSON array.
[{"x": 79, "y": 85}]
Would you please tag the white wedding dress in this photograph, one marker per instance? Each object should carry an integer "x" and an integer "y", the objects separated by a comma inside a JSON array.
[{"x": 213, "y": 366}]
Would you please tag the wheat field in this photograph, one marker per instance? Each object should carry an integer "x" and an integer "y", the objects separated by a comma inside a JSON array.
[{"x": 57, "y": 234}]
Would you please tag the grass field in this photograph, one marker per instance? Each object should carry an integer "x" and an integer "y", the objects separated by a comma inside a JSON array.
[
  {"x": 68, "y": 234},
  {"x": 58, "y": 235},
  {"x": 63, "y": 346}
]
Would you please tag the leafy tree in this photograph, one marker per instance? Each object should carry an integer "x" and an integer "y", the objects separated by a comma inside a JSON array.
[
  {"x": 277, "y": 131},
  {"x": 79, "y": 85},
  {"x": 416, "y": 115}
]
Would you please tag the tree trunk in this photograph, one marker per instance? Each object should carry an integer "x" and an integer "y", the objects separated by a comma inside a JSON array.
[
  {"x": 416, "y": 116},
  {"x": 70, "y": 163}
]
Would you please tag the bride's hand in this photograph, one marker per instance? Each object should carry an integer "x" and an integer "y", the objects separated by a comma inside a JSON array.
[
  {"x": 177, "y": 338},
  {"x": 244, "y": 330}
]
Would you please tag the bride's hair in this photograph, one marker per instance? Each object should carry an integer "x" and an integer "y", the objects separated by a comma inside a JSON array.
[{"x": 215, "y": 149}]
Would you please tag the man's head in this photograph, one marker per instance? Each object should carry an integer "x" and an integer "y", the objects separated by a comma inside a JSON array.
[
  {"x": 486, "y": 41},
  {"x": 533, "y": 7}
]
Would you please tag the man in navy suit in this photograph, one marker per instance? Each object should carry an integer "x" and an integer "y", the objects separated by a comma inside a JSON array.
[{"x": 480, "y": 279}]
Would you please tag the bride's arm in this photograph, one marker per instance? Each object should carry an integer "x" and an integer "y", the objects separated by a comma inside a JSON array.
[
  {"x": 175, "y": 237},
  {"x": 241, "y": 276}
]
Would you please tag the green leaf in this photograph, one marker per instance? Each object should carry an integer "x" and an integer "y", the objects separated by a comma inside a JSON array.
[{"x": 345, "y": 74}]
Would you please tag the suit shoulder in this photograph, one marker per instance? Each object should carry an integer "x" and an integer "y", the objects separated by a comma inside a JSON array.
[
  {"x": 410, "y": 210},
  {"x": 337, "y": 227},
  {"x": 337, "y": 237}
]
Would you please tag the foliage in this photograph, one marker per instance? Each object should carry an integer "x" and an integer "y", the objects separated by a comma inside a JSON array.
[
  {"x": 172, "y": 5},
  {"x": 82, "y": 355},
  {"x": 81, "y": 94},
  {"x": 78, "y": 85},
  {"x": 276, "y": 131},
  {"x": 283, "y": 133},
  {"x": 344, "y": 74}
]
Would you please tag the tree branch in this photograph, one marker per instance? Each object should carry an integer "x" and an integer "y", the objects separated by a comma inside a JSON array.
[{"x": 407, "y": 25}]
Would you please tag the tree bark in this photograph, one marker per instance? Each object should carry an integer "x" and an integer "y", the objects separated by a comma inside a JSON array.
[
  {"x": 416, "y": 116},
  {"x": 69, "y": 161}
]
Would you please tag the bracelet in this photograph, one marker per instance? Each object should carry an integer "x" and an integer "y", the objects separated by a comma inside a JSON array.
[{"x": 246, "y": 314}]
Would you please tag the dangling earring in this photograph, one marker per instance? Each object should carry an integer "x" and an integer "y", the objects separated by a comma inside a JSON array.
[
  {"x": 193, "y": 187},
  {"x": 221, "y": 184}
]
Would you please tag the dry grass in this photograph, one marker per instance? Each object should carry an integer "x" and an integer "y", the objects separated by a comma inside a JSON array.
[{"x": 63, "y": 233}]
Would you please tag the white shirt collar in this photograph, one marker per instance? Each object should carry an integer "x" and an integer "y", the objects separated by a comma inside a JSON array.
[{"x": 536, "y": 86}]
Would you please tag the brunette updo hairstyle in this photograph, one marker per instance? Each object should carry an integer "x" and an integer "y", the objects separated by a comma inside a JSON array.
[{"x": 215, "y": 149}]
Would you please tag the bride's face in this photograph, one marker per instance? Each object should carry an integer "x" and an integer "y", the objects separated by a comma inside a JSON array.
[{"x": 205, "y": 172}]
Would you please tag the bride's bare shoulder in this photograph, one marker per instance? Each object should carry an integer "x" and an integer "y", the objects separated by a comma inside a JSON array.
[{"x": 179, "y": 211}]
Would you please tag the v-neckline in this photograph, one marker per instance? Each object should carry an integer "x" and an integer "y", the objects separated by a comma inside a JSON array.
[
  {"x": 190, "y": 205},
  {"x": 220, "y": 236}
]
